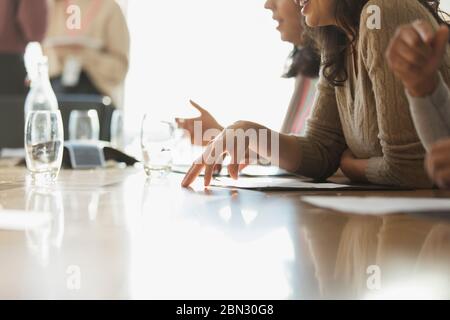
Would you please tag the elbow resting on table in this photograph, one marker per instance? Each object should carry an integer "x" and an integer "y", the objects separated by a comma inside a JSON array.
[
  {"x": 320, "y": 163},
  {"x": 404, "y": 173}
]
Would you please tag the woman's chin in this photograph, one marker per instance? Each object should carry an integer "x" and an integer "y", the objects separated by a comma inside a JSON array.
[
  {"x": 290, "y": 39},
  {"x": 311, "y": 22},
  {"x": 284, "y": 37},
  {"x": 316, "y": 22}
]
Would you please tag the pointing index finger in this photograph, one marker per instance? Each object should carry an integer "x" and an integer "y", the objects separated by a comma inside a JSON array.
[
  {"x": 197, "y": 106},
  {"x": 192, "y": 174}
]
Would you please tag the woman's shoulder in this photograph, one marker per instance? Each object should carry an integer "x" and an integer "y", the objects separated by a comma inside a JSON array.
[
  {"x": 389, "y": 14},
  {"x": 381, "y": 18},
  {"x": 402, "y": 6},
  {"x": 112, "y": 6},
  {"x": 100, "y": 8},
  {"x": 393, "y": 3}
]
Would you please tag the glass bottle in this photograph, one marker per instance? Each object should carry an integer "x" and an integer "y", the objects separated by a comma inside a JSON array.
[{"x": 41, "y": 96}]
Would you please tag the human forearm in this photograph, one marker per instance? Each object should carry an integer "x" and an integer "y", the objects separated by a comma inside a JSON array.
[
  {"x": 353, "y": 168},
  {"x": 278, "y": 149},
  {"x": 408, "y": 173},
  {"x": 431, "y": 114},
  {"x": 244, "y": 142},
  {"x": 316, "y": 156},
  {"x": 423, "y": 87}
]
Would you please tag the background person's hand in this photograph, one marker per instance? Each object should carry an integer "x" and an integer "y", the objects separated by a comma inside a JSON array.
[
  {"x": 437, "y": 163},
  {"x": 415, "y": 54},
  {"x": 207, "y": 120},
  {"x": 68, "y": 50}
]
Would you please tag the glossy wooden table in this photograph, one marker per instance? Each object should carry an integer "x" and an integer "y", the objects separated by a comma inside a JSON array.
[{"x": 115, "y": 235}]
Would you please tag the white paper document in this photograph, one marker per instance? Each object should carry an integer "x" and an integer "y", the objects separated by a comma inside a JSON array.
[
  {"x": 380, "y": 205},
  {"x": 263, "y": 171},
  {"x": 273, "y": 183},
  {"x": 17, "y": 220},
  {"x": 250, "y": 171}
]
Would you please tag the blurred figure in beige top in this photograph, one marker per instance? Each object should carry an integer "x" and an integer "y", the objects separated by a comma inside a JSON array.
[{"x": 88, "y": 47}]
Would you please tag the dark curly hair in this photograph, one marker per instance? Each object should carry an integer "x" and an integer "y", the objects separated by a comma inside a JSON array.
[
  {"x": 334, "y": 41},
  {"x": 303, "y": 61}
]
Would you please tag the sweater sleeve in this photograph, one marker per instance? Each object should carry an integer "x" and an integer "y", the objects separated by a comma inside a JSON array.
[
  {"x": 403, "y": 153},
  {"x": 324, "y": 142},
  {"x": 32, "y": 19},
  {"x": 431, "y": 114},
  {"x": 110, "y": 65}
]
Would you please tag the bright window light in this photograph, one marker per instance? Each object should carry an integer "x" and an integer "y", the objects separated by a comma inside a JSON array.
[
  {"x": 227, "y": 56},
  {"x": 445, "y": 4}
]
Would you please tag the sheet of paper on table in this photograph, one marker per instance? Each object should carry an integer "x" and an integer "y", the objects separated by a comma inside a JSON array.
[
  {"x": 380, "y": 205},
  {"x": 275, "y": 183},
  {"x": 17, "y": 220},
  {"x": 250, "y": 171},
  {"x": 264, "y": 171}
]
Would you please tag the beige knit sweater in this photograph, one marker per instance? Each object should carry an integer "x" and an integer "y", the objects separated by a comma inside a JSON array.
[
  {"x": 370, "y": 115},
  {"x": 103, "y": 23}
]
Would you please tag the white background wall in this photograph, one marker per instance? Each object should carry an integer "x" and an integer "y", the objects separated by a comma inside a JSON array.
[
  {"x": 445, "y": 4},
  {"x": 226, "y": 55}
]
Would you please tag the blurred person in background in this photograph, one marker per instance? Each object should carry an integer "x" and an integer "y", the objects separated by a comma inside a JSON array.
[
  {"x": 303, "y": 65},
  {"x": 88, "y": 46},
  {"x": 21, "y": 22}
]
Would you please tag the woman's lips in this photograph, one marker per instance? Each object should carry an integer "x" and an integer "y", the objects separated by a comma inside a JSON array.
[{"x": 280, "y": 21}]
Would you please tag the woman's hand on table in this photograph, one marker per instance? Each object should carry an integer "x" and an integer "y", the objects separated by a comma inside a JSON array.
[
  {"x": 353, "y": 168},
  {"x": 232, "y": 142},
  {"x": 415, "y": 54},
  {"x": 437, "y": 163},
  {"x": 208, "y": 123}
]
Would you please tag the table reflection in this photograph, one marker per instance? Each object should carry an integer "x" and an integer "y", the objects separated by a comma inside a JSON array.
[
  {"x": 409, "y": 254},
  {"x": 214, "y": 244},
  {"x": 128, "y": 237},
  {"x": 41, "y": 240}
]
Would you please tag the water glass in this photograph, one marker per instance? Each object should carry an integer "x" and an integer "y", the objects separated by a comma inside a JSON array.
[
  {"x": 117, "y": 129},
  {"x": 44, "y": 144},
  {"x": 84, "y": 125},
  {"x": 156, "y": 144}
]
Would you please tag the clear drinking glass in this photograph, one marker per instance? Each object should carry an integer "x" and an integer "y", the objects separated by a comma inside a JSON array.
[
  {"x": 44, "y": 143},
  {"x": 156, "y": 144},
  {"x": 84, "y": 125},
  {"x": 117, "y": 129}
]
